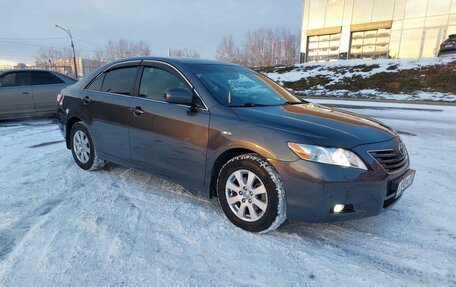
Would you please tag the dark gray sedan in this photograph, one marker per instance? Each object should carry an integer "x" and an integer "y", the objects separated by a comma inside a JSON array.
[
  {"x": 30, "y": 92},
  {"x": 225, "y": 131}
]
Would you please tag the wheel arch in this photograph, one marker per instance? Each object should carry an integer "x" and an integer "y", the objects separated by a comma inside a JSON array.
[
  {"x": 69, "y": 126},
  {"x": 223, "y": 158}
]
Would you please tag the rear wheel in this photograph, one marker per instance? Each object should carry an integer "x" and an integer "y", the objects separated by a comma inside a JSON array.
[
  {"x": 251, "y": 193},
  {"x": 83, "y": 149}
]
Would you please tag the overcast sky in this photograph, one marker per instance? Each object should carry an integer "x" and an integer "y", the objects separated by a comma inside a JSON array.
[{"x": 192, "y": 24}]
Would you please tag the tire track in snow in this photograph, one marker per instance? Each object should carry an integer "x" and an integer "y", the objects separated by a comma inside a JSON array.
[
  {"x": 10, "y": 237},
  {"x": 362, "y": 254}
]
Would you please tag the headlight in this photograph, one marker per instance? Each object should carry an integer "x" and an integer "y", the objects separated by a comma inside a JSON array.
[{"x": 336, "y": 156}]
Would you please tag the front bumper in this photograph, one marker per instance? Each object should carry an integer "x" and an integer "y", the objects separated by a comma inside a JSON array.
[
  {"x": 313, "y": 188},
  {"x": 447, "y": 51}
]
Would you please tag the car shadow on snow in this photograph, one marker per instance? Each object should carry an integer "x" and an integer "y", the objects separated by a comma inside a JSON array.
[{"x": 28, "y": 121}]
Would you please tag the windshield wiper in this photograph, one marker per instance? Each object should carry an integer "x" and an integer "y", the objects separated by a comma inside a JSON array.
[{"x": 250, "y": 105}]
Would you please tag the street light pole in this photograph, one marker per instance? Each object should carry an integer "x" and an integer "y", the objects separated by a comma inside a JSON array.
[{"x": 72, "y": 47}]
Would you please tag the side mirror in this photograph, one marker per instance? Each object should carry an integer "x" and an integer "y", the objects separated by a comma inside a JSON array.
[{"x": 178, "y": 96}]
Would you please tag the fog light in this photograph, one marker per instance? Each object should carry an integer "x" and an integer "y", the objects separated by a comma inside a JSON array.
[{"x": 338, "y": 208}]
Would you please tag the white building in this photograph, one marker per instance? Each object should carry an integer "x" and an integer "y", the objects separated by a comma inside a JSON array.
[{"x": 373, "y": 29}]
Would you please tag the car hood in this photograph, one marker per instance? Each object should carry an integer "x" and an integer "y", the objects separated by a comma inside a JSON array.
[{"x": 319, "y": 124}]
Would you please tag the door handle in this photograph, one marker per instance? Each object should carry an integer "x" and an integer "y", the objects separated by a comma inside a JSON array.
[
  {"x": 86, "y": 100},
  {"x": 137, "y": 111},
  {"x": 25, "y": 93}
]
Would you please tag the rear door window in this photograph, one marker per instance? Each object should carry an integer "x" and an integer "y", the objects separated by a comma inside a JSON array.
[
  {"x": 45, "y": 78},
  {"x": 17, "y": 79},
  {"x": 119, "y": 81}
]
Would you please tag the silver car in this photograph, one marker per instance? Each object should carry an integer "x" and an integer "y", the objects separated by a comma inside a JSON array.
[{"x": 30, "y": 92}]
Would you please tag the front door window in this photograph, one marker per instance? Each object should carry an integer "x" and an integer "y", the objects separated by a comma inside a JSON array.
[{"x": 156, "y": 81}]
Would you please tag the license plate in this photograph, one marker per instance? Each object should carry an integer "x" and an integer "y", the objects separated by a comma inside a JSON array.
[{"x": 404, "y": 184}]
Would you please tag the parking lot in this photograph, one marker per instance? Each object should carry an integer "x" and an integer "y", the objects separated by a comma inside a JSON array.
[{"x": 117, "y": 225}]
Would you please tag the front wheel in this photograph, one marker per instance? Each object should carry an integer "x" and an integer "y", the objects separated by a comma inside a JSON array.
[
  {"x": 251, "y": 193},
  {"x": 83, "y": 149}
]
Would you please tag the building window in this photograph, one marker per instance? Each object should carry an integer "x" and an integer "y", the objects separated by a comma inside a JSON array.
[
  {"x": 373, "y": 44},
  {"x": 323, "y": 48}
]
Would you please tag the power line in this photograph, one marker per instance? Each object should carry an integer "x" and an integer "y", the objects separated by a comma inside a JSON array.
[
  {"x": 14, "y": 55},
  {"x": 88, "y": 42},
  {"x": 32, "y": 39},
  {"x": 40, "y": 46},
  {"x": 25, "y": 44},
  {"x": 11, "y": 57},
  {"x": 48, "y": 38}
]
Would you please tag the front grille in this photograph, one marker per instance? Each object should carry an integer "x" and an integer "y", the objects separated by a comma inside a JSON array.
[{"x": 390, "y": 159}]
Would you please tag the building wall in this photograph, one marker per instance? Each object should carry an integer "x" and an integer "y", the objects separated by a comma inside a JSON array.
[{"x": 347, "y": 29}]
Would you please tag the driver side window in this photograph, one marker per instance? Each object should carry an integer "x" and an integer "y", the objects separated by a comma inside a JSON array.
[{"x": 155, "y": 81}]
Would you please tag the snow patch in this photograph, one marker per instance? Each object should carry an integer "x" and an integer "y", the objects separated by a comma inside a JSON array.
[{"x": 339, "y": 71}]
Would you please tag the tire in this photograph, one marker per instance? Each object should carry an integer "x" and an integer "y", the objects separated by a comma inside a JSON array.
[
  {"x": 258, "y": 203},
  {"x": 83, "y": 149}
]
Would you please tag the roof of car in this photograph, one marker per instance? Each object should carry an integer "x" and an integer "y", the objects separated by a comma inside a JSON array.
[
  {"x": 26, "y": 70},
  {"x": 177, "y": 60}
]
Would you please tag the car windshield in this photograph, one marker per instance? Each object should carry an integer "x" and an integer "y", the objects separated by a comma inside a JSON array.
[{"x": 236, "y": 86}]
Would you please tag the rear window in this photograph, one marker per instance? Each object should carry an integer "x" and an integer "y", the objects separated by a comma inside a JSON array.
[
  {"x": 45, "y": 78},
  {"x": 68, "y": 78},
  {"x": 119, "y": 81},
  {"x": 97, "y": 83}
]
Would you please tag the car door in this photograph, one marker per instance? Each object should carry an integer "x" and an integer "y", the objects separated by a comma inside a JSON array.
[
  {"x": 168, "y": 139},
  {"x": 46, "y": 86},
  {"x": 106, "y": 101},
  {"x": 16, "y": 96}
]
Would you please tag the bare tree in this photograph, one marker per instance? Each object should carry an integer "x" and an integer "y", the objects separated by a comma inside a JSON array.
[
  {"x": 263, "y": 47},
  {"x": 99, "y": 55},
  {"x": 123, "y": 49},
  {"x": 110, "y": 51},
  {"x": 184, "y": 53},
  {"x": 290, "y": 46},
  {"x": 142, "y": 49},
  {"x": 55, "y": 59},
  {"x": 228, "y": 52},
  {"x": 61, "y": 59}
]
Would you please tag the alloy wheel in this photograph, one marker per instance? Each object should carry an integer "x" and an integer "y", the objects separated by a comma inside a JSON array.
[
  {"x": 246, "y": 195},
  {"x": 81, "y": 146}
]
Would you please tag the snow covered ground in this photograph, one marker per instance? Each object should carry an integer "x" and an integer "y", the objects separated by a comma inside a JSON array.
[
  {"x": 340, "y": 71},
  {"x": 62, "y": 226}
]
